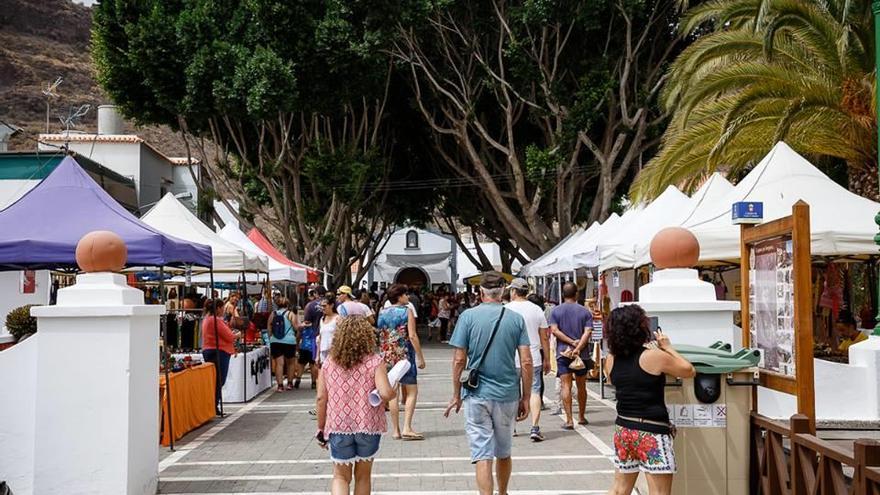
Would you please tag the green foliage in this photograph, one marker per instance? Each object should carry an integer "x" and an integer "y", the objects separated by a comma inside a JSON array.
[
  {"x": 762, "y": 71},
  {"x": 20, "y": 323}
]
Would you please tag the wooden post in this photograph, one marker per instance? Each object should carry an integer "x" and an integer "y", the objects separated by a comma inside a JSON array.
[
  {"x": 803, "y": 461},
  {"x": 745, "y": 268},
  {"x": 803, "y": 312},
  {"x": 745, "y": 318},
  {"x": 866, "y": 454}
]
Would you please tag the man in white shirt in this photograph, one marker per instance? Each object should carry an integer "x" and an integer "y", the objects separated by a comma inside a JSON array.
[{"x": 539, "y": 342}]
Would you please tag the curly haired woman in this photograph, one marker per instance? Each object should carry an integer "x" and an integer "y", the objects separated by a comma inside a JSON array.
[
  {"x": 347, "y": 423},
  {"x": 637, "y": 366}
]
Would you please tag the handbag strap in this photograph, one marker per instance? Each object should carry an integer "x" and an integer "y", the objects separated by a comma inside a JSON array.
[{"x": 491, "y": 338}]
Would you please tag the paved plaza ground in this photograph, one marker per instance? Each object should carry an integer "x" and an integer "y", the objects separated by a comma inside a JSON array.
[{"x": 267, "y": 446}]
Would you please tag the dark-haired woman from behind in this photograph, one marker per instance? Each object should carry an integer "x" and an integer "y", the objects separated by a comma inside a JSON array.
[{"x": 637, "y": 367}]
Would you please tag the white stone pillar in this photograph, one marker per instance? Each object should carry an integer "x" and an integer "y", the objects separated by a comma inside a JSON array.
[{"x": 97, "y": 415}]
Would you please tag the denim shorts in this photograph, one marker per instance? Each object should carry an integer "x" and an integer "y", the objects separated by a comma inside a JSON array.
[
  {"x": 537, "y": 375},
  {"x": 489, "y": 427},
  {"x": 353, "y": 447}
]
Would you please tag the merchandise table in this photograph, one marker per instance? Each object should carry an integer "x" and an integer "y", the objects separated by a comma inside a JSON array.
[
  {"x": 249, "y": 372},
  {"x": 192, "y": 400}
]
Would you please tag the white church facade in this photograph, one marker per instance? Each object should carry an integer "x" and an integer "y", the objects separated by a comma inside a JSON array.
[{"x": 427, "y": 258}]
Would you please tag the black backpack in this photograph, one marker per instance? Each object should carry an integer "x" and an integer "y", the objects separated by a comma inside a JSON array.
[{"x": 279, "y": 329}]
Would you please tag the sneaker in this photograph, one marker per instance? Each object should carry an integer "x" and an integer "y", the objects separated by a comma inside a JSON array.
[
  {"x": 444, "y": 341},
  {"x": 296, "y": 383},
  {"x": 314, "y": 385},
  {"x": 536, "y": 434},
  {"x": 279, "y": 388},
  {"x": 515, "y": 434}
]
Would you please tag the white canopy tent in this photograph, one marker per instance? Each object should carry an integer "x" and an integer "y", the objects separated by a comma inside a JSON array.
[
  {"x": 841, "y": 223},
  {"x": 581, "y": 250},
  {"x": 617, "y": 250},
  {"x": 562, "y": 257},
  {"x": 711, "y": 192},
  {"x": 171, "y": 217},
  {"x": 278, "y": 271},
  {"x": 537, "y": 263}
]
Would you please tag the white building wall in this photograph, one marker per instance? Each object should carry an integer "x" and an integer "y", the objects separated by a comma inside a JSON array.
[
  {"x": 10, "y": 287},
  {"x": 184, "y": 183},
  {"x": 156, "y": 177},
  {"x": 122, "y": 158},
  {"x": 429, "y": 243}
]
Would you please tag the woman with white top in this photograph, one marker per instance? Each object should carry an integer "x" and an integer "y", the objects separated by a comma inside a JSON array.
[{"x": 328, "y": 327}]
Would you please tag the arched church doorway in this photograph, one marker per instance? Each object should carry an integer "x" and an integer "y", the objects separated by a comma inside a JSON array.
[{"x": 412, "y": 277}]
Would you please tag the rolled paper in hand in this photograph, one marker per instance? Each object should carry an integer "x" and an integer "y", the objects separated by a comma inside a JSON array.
[{"x": 394, "y": 376}]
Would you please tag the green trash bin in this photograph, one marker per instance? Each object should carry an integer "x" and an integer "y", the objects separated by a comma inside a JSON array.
[{"x": 712, "y": 414}]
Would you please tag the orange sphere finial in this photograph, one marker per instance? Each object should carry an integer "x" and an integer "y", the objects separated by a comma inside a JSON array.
[
  {"x": 675, "y": 247},
  {"x": 101, "y": 251}
]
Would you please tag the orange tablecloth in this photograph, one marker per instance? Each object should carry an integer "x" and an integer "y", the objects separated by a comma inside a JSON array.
[{"x": 192, "y": 400}]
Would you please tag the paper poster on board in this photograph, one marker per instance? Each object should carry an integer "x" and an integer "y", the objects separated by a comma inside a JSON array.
[{"x": 771, "y": 304}]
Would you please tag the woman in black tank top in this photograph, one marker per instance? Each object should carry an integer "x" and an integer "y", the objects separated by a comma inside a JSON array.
[{"x": 637, "y": 367}]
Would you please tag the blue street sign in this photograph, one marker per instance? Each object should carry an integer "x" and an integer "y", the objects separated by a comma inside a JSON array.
[{"x": 747, "y": 212}]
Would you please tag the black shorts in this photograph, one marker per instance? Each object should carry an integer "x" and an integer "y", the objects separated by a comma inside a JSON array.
[
  {"x": 305, "y": 357},
  {"x": 279, "y": 349}
]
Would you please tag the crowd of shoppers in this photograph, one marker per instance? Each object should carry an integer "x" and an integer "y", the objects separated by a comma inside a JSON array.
[{"x": 504, "y": 343}]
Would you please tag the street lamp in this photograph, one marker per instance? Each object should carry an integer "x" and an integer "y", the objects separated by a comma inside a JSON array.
[{"x": 875, "y": 7}]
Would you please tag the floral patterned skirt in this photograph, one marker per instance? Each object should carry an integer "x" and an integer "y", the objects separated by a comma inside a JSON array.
[{"x": 639, "y": 451}]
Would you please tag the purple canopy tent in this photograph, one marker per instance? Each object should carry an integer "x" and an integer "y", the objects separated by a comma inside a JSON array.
[
  {"x": 42, "y": 228},
  {"x": 41, "y": 231}
]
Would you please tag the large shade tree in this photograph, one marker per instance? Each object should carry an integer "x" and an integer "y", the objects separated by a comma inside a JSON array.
[
  {"x": 285, "y": 102},
  {"x": 542, "y": 110},
  {"x": 767, "y": 70}
]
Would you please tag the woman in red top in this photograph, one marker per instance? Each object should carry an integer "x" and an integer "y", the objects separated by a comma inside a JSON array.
[{"x": 218, "y": 342}]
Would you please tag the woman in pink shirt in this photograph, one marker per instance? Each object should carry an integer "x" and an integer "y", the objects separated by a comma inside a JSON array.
[
  {"x": 218, "y": 343},
  {"x": 347, "y": 423}
]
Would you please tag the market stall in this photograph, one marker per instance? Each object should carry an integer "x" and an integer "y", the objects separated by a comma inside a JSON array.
[
  {"x": 169, "y": 215},
  {"x": 253, "y": 366},
  {"x": 38, "y": 234},
  {"x": 192, "y": 401}
]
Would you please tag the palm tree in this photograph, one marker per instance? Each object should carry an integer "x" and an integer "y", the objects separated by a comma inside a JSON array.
[{"x": 760, "y": 71}]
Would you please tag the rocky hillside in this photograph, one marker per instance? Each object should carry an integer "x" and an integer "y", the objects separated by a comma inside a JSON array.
[{"x": 41, "y": 40}]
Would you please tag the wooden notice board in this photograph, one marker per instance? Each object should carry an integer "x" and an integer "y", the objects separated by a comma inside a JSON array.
[{"x": 777, "y": 313}]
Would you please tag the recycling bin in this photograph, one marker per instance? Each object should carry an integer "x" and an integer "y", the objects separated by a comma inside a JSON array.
[{"x": 711, "y": 413}]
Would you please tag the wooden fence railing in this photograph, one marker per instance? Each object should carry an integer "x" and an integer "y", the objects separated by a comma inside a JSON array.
[{"x": 787, "y": 459}]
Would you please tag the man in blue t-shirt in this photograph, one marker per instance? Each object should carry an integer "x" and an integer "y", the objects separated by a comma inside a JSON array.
[
  {"x": 572, "y": 325},
  {"x": 502, "y": 397},
  {"x": 308, "y": 335}
]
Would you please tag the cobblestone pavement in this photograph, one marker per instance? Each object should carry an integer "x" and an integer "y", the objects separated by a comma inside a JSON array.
[{"x": 267, "y": 446}]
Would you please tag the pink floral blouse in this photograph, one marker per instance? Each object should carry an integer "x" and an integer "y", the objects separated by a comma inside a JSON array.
[{"x": 348, "y": 407}]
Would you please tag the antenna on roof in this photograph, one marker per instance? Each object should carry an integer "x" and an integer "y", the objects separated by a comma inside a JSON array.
[
  {"x": 50, "y": 93},
  {"x": 72, "y": 119}
]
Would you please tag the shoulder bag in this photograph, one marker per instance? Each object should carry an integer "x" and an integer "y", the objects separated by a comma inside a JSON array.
[{"x": 470, "y": 377}]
